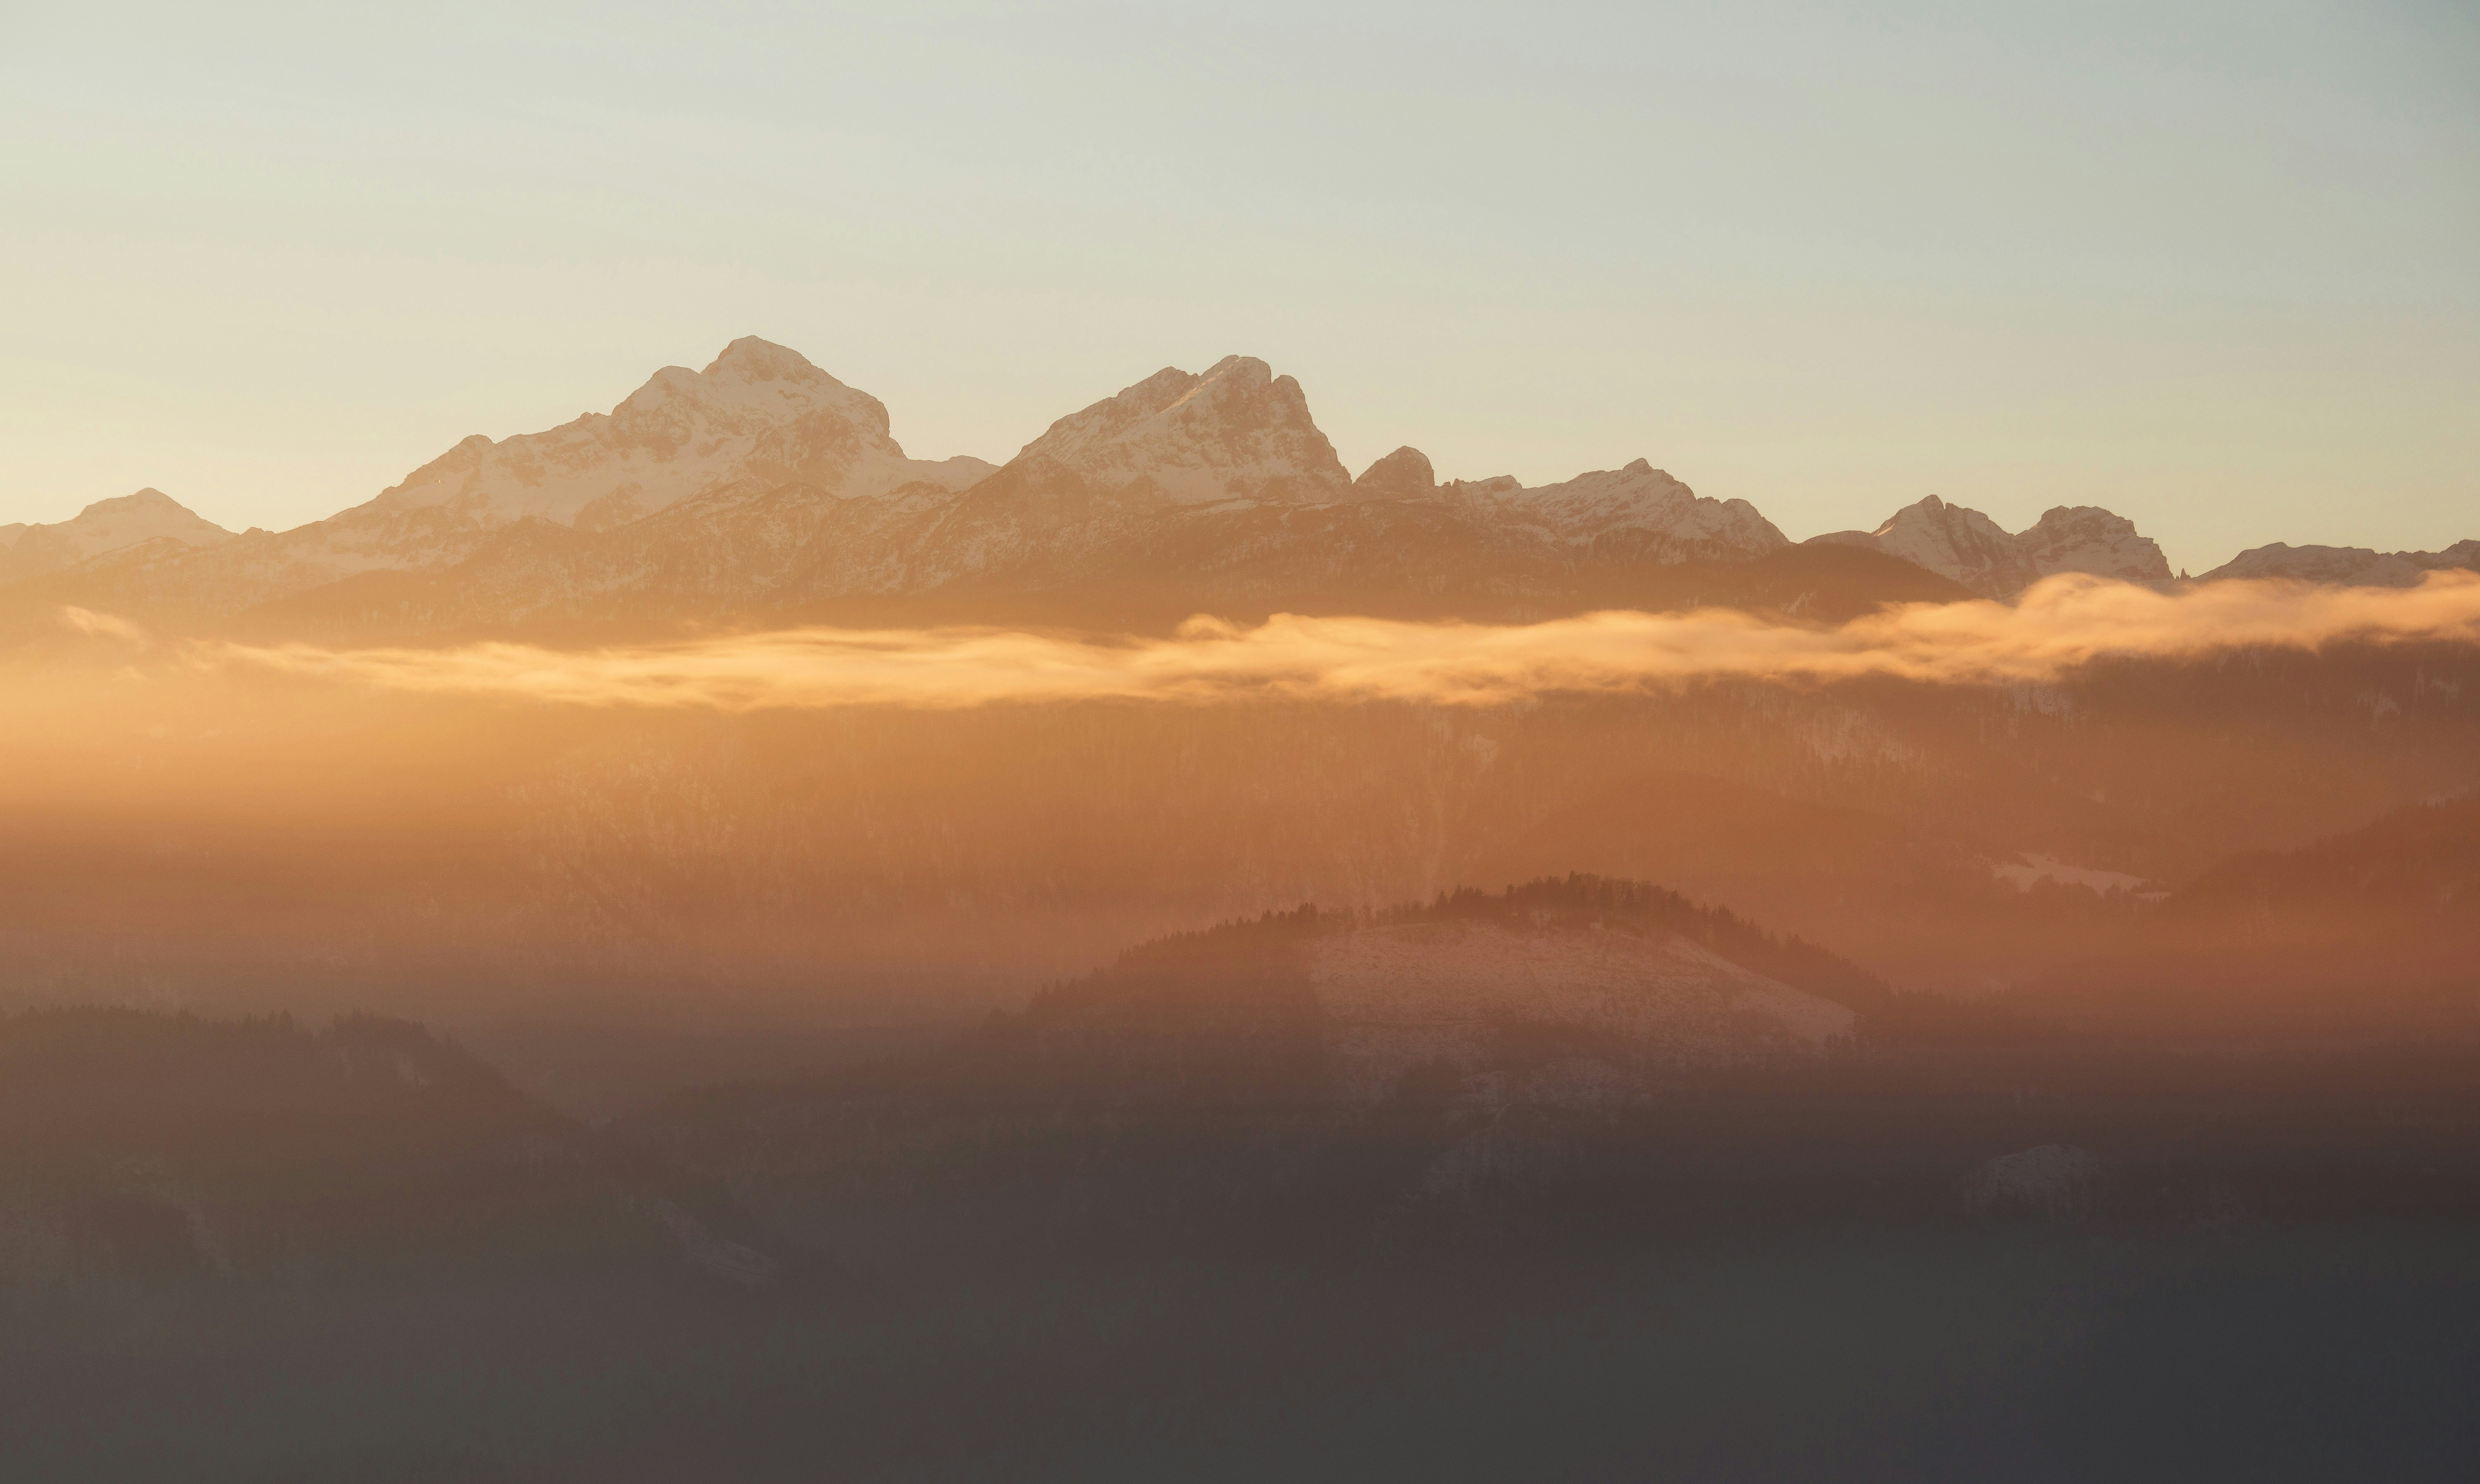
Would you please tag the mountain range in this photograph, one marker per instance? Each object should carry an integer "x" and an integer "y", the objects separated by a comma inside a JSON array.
[{"x": 763, "y": 485}]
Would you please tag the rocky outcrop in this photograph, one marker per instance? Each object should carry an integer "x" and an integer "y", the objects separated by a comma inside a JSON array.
[
  {"x": 1641, "y": 513},
  {"x": 763, "y": 483},
  {"x": 2347, "y": 566},
  {"x": 1967, "y": 546},
  {"x": 759, "y": 417},
  {"x": 1403, "y": 474},
  {"x": 1957, "y": 543},
  {"x": 1236, "y": 432},
  {"x": 2088, "y": 539},
  {"x": 104, "y": 528},
  {"x": 757, "y": 411}
]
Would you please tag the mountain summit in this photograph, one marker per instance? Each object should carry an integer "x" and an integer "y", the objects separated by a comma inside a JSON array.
[
  {"x": 1236, "y": 432},
  {"x": 762, "y": 485},
  {"x": 2347, "y": 566},
  {"x": 1955, "y": 542},
  {"x": 101, "y": 529},
  {"x": 1403, "y": 474},
  {"x": 759, "y": 411},
  {"x": 1641, "y": 513}
]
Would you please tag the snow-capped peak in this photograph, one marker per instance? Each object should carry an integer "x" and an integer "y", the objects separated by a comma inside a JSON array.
[
  {"x": 2086, "y": 538},
  {"x": 1961, "y": 543},
  {"x": 1403, "y": 474},
  {"x": 1640, "y": 512},
  {"x": 105, "y": 526},
  {"x": 2347, "y": 566},
  {"x": 759, "y": 411},
  {"x": 752, "y": 382},
  {"x": 1237, "y": 431},
  {"x": 752, "y": 359}
]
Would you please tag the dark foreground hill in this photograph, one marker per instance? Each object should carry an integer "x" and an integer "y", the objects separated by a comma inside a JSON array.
[
  {"x": 1200, "y": 1216},
  {"x": 140, "y": 1147}
]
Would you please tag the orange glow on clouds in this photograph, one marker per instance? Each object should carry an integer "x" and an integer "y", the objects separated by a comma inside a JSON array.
[{"x": 2059, "y": 625}]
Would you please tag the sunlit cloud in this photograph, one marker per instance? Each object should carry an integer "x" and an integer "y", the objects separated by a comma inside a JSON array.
[
  {"x": 102, "y": 625},
  {"x": 2060, "y": 625}
]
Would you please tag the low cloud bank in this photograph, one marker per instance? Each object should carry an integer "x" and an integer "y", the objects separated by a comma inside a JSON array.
[{"x": 2058, "y": 626}]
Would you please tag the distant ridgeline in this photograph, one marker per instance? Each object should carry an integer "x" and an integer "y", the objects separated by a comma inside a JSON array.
[
  {"x": 1571, "y": 991},
  {"x": 1582, "y": 1053},
  {"x": 764, "y": 486},
  {"x": 137, "y": 1145},
  {"x": 1552, "y": 903}
]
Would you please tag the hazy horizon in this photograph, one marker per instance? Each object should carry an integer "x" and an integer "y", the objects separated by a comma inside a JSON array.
[
  {"x": 976, "y": 837},
  {"x": 2209, "y": 269}
]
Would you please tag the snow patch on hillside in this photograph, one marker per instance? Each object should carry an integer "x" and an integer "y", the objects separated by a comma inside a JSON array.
[
  {"x": 2031, "y": 870},
  {"x": 1454, "y": 993}
]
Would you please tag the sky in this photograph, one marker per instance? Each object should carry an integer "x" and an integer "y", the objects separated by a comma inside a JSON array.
[{"x": 2214, "y": 265}]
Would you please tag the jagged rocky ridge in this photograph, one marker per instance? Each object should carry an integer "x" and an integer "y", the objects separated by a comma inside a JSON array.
[
  {"x": 2348, "y": 566},
  {"x": 1976, "y": 552},
  {"x": 762, "y": 485}
]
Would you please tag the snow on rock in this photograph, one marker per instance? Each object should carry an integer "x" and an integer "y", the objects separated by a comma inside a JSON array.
[
  {"x": 1958, "y": 543},
  {"x": 2347, "y": 566},
  {"x": 1403, "y": 474},
  {"x": 105, "y": 527},
  {"x": 764, "y": 481},
  {"x": 759, "y": 411},
  {"x": 1638, "y": 513},
  {"x": 761, "y": 417},
  {"x": 1963, "y": 544},
  {"x": 1641, "y": 513},
  {"x": 1236, "y": 432},
  {"x": 2088, "y": 539},
  {"x": 1599, "y": 1001}
]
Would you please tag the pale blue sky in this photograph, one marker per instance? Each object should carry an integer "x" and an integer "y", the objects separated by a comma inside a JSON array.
[{"x": 2215, "y": 266}]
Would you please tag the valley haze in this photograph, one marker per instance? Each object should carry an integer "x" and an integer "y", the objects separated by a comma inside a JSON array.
[
  {"x": 697, "y": 881},
  {"x": 1734, "y": 744}
]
